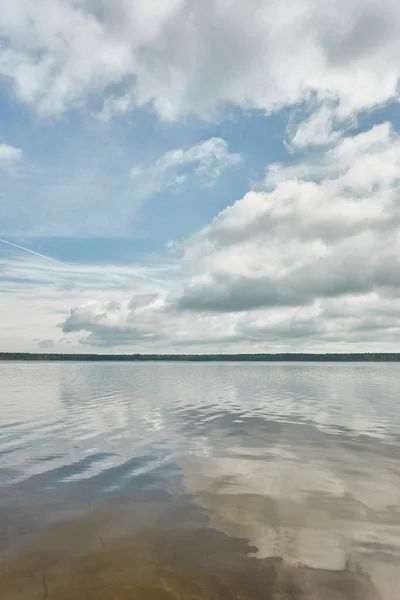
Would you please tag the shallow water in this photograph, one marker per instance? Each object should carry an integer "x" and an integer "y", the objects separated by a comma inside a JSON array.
[{"x": 203, "y": 480}]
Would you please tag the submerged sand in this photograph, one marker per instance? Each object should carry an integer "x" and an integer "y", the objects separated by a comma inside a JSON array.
[{"x": 144, "y": 552}]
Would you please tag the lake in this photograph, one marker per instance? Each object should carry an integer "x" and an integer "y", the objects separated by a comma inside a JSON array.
[{"x": 199, "y": 480}]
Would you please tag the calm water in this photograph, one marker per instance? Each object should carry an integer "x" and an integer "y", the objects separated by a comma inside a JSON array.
[{"x": 200, "y": 475}]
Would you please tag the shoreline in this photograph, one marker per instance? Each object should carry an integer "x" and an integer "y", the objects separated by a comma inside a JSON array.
[{"x": 276, "y": 357}]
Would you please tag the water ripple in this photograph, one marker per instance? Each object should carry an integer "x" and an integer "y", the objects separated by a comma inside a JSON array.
[{"x": 286, "y": 455}]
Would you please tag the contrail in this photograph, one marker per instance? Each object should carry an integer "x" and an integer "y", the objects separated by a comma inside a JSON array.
[
  {"x": 58, "y": 262},
  {"x": 62, "y": 264}
]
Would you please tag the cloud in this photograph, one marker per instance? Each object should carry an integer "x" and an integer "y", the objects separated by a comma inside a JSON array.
[
  {"x": 320, "y": 327},
  {"x": 37, "y": 294},
  {"x": 316, "y": 130},
  {"x": 310, "y": 262},
  {"x": 184, "y": 57},
  {"x": 45, "y": 344},
  {"x": 144, "y": 322},
  {"x": 203, "y": 161},
  {"x": 113, "y": 322},
  {"x": 9, "y": 156},
  {"x": 307, "y": 258},
  {"x": 332, "y": 230}
]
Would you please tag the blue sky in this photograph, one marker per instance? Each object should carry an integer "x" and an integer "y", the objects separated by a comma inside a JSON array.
[{"x": 215, "y": 176}]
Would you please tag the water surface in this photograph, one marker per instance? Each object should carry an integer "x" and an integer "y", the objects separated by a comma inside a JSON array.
[{"x": 206, "y": 480}]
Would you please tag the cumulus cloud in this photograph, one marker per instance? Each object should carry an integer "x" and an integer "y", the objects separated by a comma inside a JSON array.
[
  {"x": 9, "y": 156},
  {"x": 184, "y": 56},
  {"x": 309, "y": 261},
  {"x": 113, "y": 322},
  {"x": 203, "y": 161},
  {"x": 320, "y": 327},
  {"x": 147, "y": 322},
  {"x": 331, "y": 230},
  {"x": 37, "y": 294},
  {"x": 310, "y": 256}
]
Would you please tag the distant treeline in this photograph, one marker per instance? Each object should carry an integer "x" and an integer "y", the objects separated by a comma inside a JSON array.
[{"x": 357, "y": 357}]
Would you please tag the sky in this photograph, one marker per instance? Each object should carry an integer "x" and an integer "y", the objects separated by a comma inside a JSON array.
[{"x": 199, "y": 176}]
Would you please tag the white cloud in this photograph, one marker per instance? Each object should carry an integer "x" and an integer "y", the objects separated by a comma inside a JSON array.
[
  {"x": 37, "y": 294},
  {"x": 146, "y": 323},
  {"x": 9, "y": 156},
  {"x": 311, "y": 263},
  {"x": 332, "y": 230},
  {"x": 310, "y": 259},
  {"x": 317, "y": 130},
  {"x": 203, "y": 161},
  {"x": 184, "y": 56}
]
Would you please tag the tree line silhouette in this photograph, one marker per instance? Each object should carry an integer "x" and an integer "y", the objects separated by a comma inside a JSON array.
[{"x": 276, "y": 357}]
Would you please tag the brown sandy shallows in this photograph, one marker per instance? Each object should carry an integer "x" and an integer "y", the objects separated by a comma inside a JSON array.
[{"x": 119, "y": 556}]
